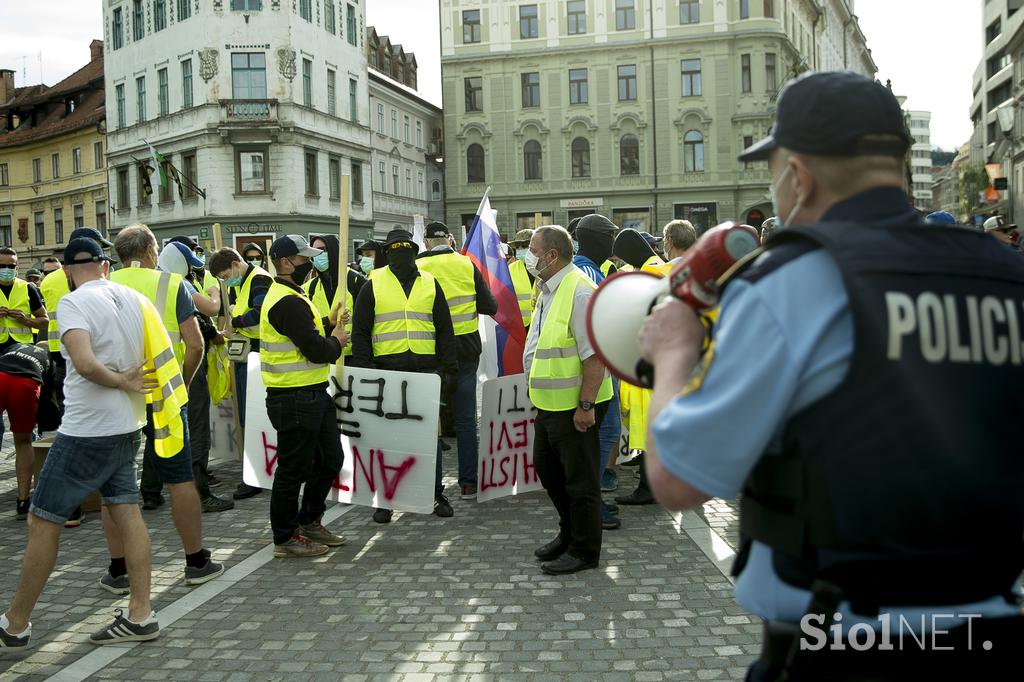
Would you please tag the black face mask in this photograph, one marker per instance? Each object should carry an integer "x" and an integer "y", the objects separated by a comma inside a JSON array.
[
  {"x": 402, "y": 262},
  {"x": 597, "y": 246},
  {"x": 301, "y": 272},
  {"x": 632, "y": 248}
]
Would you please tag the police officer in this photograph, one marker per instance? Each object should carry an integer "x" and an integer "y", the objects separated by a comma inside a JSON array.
[
  {"x": 402, "y": 323},
  {"x": 881, "y": 473},
  {"x": 522, "y": 280},
  {"x": 295, "y": 361},
  {"x": 468, "y": 297}
]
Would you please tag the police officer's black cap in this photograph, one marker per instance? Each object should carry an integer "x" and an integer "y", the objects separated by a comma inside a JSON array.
[
  {"x": 398, "y": 239},
  {"x": 436, "y": 230},
  {"x": 835, "y": 113},
  {"x": 90, "y": 233},
  {"x": 595, "y": 222}
]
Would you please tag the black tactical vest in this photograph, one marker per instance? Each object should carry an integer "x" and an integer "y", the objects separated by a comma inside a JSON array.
[{"x": 905, "y": 486}]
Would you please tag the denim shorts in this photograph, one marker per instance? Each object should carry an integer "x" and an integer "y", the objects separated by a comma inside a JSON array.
[
  {"x": 76, "y": 467},
  {"x": 174, "y": 469}
]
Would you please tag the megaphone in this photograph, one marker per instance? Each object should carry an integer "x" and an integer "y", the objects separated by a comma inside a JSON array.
[{"x": 622, "y": 302}]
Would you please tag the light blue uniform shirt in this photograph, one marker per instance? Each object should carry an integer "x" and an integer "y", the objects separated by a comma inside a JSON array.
[{"x": 781, "y": 343}]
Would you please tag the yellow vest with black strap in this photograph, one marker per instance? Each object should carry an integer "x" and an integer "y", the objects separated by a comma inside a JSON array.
[
  {"x": 282, "y": 364},
  {"x": 315, "y": 291},
  {"x": 171, "y": 394},
  {"x": 556, "y": 375},
  {"x": 17, "y": 300},
  {"x": 402, "y": 323},
  {"x": 654, "y": 265},
  {"x": 161, "y": 288},
  {"x": 53, "y": 288},
  {"x": 242, "y": 303},
  {"x": 606, "y": 267},
  {"x": 524, "y": 290},
  {"x": 456, "y": 273}
]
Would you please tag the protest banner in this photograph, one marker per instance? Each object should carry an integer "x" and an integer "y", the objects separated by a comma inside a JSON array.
[
  {"x": 388, "y": 424},
  {"x": 223, "y": 431},
  {"x": 505, "y": 458}
]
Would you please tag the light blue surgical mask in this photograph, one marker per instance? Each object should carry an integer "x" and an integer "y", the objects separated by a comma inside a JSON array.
[
  {"x": 575, "y": 247},
  {"x": 366, "y": 264},
  {"x": 521, "y": 254},
  {"x": 233, "y": 281},
  {"x": 321, "y": 262},
  {"x": 201, "y": 257},
  {"x": 7, "y": 275}
]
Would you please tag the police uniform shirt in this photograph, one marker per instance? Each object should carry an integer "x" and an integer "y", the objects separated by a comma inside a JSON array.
[{"x": 778, "y": 349}]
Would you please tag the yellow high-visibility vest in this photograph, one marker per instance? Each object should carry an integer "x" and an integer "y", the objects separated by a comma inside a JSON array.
[
  {"x": 18, "y": 300},
  {"x": 556, "y": 375},
  {"x": 315, "y": 291},
  {"x": 653, "y": 265},
  {"x": 242, "y": 303},
  {"x": 161, "y": 288},
  {"x": 171, "y": 395},
  {"x": 455, "y": 272},
  {"x": 403, "y": 323},
  {"x": 606, "y": 267},
  {"x": 53, "y": 288},
  {"x": 282, "y": 364},
  {"x": 524, "y": 290}
]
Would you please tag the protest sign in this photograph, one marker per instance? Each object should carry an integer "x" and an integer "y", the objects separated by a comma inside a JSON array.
[
  {"x": 505, "y": 459},
  {"x": 223, "y": 430},
  {"x": 388, "y": 424}
]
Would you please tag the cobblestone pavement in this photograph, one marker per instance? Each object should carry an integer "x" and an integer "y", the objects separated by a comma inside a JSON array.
[{"x": 421, "y": 598}]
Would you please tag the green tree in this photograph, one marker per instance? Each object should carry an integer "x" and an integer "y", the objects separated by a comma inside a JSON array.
[
  {"x": 941, "y": 157},
  {"x": 973, "y": 180}
]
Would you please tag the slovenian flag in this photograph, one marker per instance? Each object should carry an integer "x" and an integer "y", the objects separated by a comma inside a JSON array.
[{"x": 483, "y": 246}]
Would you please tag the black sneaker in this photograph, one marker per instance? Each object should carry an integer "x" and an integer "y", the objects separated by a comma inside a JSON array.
[
  {"x": 213, "y": 481},
  {"x": 21, "y": 509},
  {"x": 382, "y": 515},
  {"x": 7, "y": 640},
  {"x": 204, "y": 573},
  {"x": 245, "y": 491},
  {"x": 216, "y": 504},
  {"x": 151, "y": 503},
  {"x": 123, "y": 630},
  {"x": 442, "y": 507},
  {"x": 118, "y": 585}
]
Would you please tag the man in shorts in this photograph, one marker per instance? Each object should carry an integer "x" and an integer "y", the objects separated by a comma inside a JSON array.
[{"x": 23, "y": 368}]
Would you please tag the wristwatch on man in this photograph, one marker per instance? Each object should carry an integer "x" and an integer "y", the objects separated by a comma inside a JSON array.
[{"x": 586, "y": 405}]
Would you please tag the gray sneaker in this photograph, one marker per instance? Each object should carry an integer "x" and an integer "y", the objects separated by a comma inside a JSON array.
[
  {"x": 118, "y": 585},
  {"x": 315, "y": 532},
  {"x": 299, "y": 548},
  {"x": 205, "y": 573},
  {"x": 123, "y": 630}
]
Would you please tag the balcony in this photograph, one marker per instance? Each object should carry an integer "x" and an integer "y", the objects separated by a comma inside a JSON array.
[{"x": 389, "y": 204}]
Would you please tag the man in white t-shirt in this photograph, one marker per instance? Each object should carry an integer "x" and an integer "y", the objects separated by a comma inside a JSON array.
[{"x": 101, "y": 326}]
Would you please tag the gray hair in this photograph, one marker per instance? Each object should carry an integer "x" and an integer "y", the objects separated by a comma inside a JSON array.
[
  {"x": 555, "y": 237},
  {"x": 680, "y": 234},
  {"x": 134, "y": 243}
]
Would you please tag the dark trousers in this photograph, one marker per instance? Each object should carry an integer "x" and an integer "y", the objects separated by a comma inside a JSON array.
[
  {"x": 199, "y": 429},
  {"x": 569, "y": 466},
  {"x": 308, "y": 453},
  {"x": 241, "y": 381},
  {"x": 464, "y": 408}
]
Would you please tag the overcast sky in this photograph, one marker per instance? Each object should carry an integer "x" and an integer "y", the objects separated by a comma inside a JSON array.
[{"x": 928, "y": 48}]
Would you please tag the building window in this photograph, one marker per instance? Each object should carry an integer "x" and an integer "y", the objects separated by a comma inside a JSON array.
[
  {"x": 994, "y": 30},
  {"x": 101, "y": 216},
  {"x": 689, "y": 11},
  {"x": 78, "y": 213},
  {"x": 380, "y": 118},
  {"x": 383, "y": 182},
  {"x": 55, "y": 165},
  {"x": 76, "y": 160},
  {"x": 118, "y": 29},
  {"x": 748, "y": 142},
  {"x": 627, "y": 83},
  {"x": 745, "y": 85},
  {"x": 123, "y": 191},
  {"x": 5, "y": 178},
  {"x": 629, "y": 155},
  {"x": 475, "y": 163},
  {"x": 532, "y": 161},
  {"x": 419, "y": 134},
  {"x": 691, "y": 77},
  {"x": 252, "y": 170},
  {"x": 769, "y": 8},
  {"x": 186, "y": 84},
  {"x": 119, "y": 95},
  {"x": 625, "y": 15},
  {"x": 307, "y": 82},
  {"x": 395, "y": 186},
  {"x": 138, "y": 21},
  {"x": 191, "y": 172},
  {"x": 249, "y": 75},
  {"x": 163, "y": 92},
  {"x": 144, "y": 187},
  {"x": 39, "y": 219},
  {"x": 312, "y": 183},
  {"x": 37, "y": 170},
  {"x": 528, "y": 221},
  {"x": 578, "y": 91},
  {"x": 580, "y": 158},
  {"x": 394, "y": 124},
  {"x": 744, "y": 9},
  {"x": 576, "y": 13},
  {"x": 435, "y": 190},
  {"x": 140, "y": 99},
  {"x": 408, "y": 182},
  {"x": 353, "y": 100},
  {"x": 166, "y": 192},
  {"x": 332, "y": 107},
  {"x": 528, "y": 21},
  {"x": 329, "y": 17},
  {"x": 159, "y": 15},
  {"x": 474, "y": 94},
  {"x": 406, "y": 129},
  {"x": 357, "y": 183},
  {"x": 419, "y": 186},
  {"x": 693, "y": 152},
  {"x": 470, "y": 26},
  {"x": 306, "y": 9},
  {"x": 58, "y": 225},
  {"x": 531, "y": 89},
  {"x": 5, "y": 230},
  {"x": 350, "y": 24},
  {"x": 248, "y": 5},
  {"x": 184, "y": 10},
  {"x": 334, "y": 178},
  {"x": 770, "y": 78}
]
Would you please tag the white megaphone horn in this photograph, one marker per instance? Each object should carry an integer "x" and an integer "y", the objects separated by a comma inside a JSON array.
[{"x": 618, "y": 308}]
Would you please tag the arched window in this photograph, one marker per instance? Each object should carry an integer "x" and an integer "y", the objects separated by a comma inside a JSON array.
[
  {"x": 435, "y": 190},
  {"x": 580, "y": 158},
  {"x": 532, "y": 161},
  {"x": 475, "y": 163},
  {"x": 693, "y": 152},
  {"x": 629, "y": 155}
]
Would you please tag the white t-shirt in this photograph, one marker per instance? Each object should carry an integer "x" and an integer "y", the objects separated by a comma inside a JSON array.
[{"x": 112, "y": 315}]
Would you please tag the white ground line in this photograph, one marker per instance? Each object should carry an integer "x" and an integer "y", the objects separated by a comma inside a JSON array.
[
  {"x": 95, "y": 661},
  {"x": 711, "y": 543}
]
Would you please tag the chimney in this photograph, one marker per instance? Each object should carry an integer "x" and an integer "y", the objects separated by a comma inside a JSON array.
[
  {"x": 6, "y": 85},
  {"x": 96, "y": 50}
]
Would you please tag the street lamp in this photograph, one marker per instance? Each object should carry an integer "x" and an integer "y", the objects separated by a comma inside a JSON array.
[{"x": 1005, "y": 116}]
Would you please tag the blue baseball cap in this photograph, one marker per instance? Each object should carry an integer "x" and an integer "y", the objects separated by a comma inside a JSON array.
[
  {"x": 81, "y": 245},
  {"x": 940, "y": 218},
  {"x": 187, "y": 254}
]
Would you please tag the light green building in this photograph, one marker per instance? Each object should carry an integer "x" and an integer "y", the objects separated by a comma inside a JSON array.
[{"x": 629, "y": 108}]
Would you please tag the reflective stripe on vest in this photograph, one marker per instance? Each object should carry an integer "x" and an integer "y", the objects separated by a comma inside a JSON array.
[
  {"x": 556, "y": 375},
  {"x": 18, "y": 300},
  {"x": 161, "y": 288},
  {"x": 171, "y": 396},
  {"x": 282, "y": 364},
  {"x": 53, "y": 288},
  {"x": 242, "y": 303},
  {"x": 524, "y": 290},
  {"x": 315, "y": 291},
  {"x": 456, "y": 274},
  {"x": 402, "y": 324}
]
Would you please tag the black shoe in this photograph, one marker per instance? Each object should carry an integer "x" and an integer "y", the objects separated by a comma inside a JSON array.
[
  {"x": 244, "y": 491},
  {"x": 638, "y": 496},
  {"x": 633, "y": 461},
  {"x": 552, "y": 550},
  {"x": 442, "y": 507},
  {"x": 566, "y": 563},
  {"x": 213, "y": 481},
  {"x": 7, "y": 640},
  {"x": 216, "y": 504},
  {"x": 150, "y": 503},
  {"x": 608, "y": 520},
  {"x": 445, "y": 447},
  {"x": 611, "y": 507},
  {"x": 382, "y": 515},
  {"x": 21, "y": 509}
]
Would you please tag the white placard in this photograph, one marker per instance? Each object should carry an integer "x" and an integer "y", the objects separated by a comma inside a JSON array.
[
  {"x": 505, "y": 460},
  {"x": 388, "y": 422}
]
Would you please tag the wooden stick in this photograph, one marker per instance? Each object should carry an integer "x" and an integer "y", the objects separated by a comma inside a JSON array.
[
  {"x": 342, "y": 278},
  {"x": 223, "y": 324}
]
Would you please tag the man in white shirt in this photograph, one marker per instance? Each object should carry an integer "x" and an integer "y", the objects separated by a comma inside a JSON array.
[{"x": 102, "y": 338}]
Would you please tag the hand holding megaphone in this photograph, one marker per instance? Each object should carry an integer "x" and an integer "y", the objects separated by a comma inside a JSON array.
[{"x": 621, "y": 305}]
